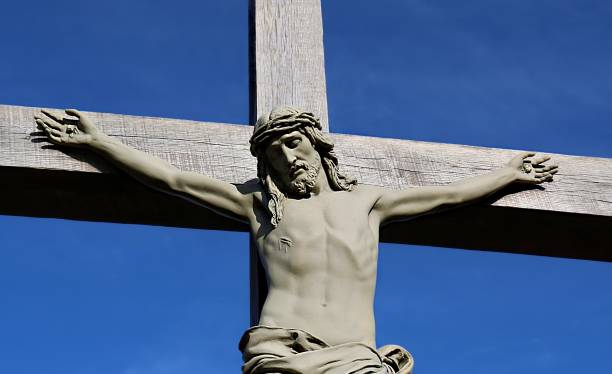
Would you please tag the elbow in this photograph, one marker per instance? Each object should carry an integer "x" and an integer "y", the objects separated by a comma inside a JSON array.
[
  {"x": 172, "y": 181},
  {"x": 455, "y": 197}
]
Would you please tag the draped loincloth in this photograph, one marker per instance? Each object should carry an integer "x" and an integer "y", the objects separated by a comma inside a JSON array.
[{"x": 276, "y": 350}]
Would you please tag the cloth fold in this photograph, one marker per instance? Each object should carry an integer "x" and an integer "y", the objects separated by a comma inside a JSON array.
[{"x": 277, "y": 350}]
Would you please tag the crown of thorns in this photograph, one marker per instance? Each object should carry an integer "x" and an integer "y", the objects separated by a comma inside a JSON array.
[{"x": 271, "y": 126}]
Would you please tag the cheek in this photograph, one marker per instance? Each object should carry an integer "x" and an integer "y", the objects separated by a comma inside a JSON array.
[
  {"x": 305, "y": 150},
  {"x": 314, "y": 158}
]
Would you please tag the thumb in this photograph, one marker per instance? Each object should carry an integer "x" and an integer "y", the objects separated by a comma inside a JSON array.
[{"x": 73, "y": 112}]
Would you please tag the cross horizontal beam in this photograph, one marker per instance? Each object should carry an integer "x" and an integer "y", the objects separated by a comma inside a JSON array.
[{"x": 569, "y": 218}]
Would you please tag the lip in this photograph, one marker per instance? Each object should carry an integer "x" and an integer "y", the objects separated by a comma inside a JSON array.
[{"x": 296, "y": 172}]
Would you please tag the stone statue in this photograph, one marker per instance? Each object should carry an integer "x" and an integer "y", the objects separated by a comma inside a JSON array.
[{"x": 316, "y": 231}]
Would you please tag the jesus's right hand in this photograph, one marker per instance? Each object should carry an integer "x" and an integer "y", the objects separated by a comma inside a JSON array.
[{"x": 61, "y": 130}]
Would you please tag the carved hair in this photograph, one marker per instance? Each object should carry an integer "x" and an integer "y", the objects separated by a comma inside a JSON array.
[{"x": 283, "y": 120}]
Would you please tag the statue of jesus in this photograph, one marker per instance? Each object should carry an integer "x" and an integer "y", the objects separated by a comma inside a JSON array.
[{"x": 316, "y": 230}]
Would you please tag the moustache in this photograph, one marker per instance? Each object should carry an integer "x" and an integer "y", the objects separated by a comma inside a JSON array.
[{"x": 297, "y": 165}]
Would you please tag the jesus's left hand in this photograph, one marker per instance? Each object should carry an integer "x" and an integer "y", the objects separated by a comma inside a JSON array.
[{"x": 530, "y": 169}]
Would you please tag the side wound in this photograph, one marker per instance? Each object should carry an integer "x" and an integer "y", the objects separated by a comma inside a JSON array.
[{"x": 284, "y": 243}]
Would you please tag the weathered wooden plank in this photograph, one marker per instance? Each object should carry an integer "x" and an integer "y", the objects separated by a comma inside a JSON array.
[
  {"x": 286, "y": 56},
  {"x": 45, "y": 181},
  {"x": 571, "y": 217},
  {"x": 286, "y": 67}
]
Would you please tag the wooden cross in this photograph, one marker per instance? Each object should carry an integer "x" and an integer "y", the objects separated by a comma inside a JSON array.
[{"x": 286, "y": 67}]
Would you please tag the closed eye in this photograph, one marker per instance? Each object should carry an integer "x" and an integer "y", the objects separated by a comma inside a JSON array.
[{"x": 292, "y": 143}]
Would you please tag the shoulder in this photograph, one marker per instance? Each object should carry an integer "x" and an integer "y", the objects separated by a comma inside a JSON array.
[
  {"x": 368, "y": 190},
  {"x": 368, "y": 193}
]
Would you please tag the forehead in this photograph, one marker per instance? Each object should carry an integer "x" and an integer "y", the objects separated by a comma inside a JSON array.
[{"x": 281, "y": 139}]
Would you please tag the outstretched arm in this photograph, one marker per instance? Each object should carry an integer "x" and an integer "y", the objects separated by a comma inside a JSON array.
[
  {"x": 414, "y": 201},
  {"x": 82, "y": 132}
]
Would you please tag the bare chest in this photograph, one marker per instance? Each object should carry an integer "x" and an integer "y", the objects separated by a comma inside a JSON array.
[{"x": 332, "y": 234}]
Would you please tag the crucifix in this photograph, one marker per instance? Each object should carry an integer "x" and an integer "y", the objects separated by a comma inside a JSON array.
[{"x": 287, "y": 68}]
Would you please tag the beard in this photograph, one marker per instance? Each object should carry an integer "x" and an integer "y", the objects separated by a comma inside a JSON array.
[{"x": 303, "y": 184}]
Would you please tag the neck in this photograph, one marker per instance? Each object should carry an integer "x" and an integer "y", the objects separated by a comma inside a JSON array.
[{"x": 322, "y": 184}]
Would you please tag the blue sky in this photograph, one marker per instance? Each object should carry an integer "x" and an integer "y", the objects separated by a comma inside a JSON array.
[{"x": 88, "y": 298}]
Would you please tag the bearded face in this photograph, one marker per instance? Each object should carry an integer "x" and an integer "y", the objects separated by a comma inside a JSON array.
[
  {"x": 304, "y": 176},
  {"x": 293, "y": 163}
]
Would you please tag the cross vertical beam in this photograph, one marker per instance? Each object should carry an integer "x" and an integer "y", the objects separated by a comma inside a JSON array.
[{"x": 286, "y": 67}]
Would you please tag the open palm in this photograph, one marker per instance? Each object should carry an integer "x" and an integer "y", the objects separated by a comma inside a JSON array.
[
  {"x": 66, "y": 130},
  {"x": 530, "y": 169}
]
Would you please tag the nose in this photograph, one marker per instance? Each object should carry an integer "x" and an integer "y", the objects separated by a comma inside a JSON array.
[{"x": 288, "y": 156}]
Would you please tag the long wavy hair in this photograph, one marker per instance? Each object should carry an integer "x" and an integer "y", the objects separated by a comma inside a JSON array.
[{"x": 274, "y": 197}]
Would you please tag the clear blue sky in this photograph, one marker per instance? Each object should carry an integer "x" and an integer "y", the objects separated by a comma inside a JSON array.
[{"x": 89, "y": 298}]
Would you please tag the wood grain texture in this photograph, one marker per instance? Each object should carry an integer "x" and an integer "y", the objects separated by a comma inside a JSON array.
[
  {"x": 286, "y": 56},
  {"x": 572, "y": 216}
]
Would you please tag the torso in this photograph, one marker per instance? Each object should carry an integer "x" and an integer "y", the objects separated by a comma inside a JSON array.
[{"x": 321, "y": 263}]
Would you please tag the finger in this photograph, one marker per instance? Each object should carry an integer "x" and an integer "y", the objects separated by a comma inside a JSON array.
[
  {"x": 545, "y": 178},
  {"x": 549, "y": 167},
  {"x": 41, "y": 124},
  {"x": 73, "y": 112},
  {"x": 55, "y": 138},
  {"x": 540, "y": 160},
  {"x": 51, "y": 123},
  {"x": 524, "y": 155},
  {"x": 53, "y": 135},
  {"x": 51, "y": 115},
  {"x": 51, "y": 131},
  {"x": 60, "y": 120},
  {"x": 542, "y": 167},
  {"x": 546, "y": 174}
]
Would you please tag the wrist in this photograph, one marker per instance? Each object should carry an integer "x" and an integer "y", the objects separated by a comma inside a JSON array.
[
  {"x": 97, "y": 140},
  {"x": 512, "y": 173}
]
